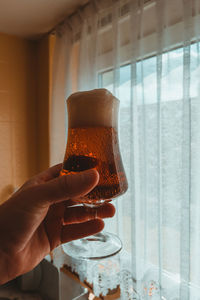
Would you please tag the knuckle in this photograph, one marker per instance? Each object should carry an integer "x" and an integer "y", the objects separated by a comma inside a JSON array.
[{"x": 92, "y": 213}]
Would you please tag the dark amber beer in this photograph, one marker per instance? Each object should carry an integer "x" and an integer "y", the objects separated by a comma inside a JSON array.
[{"x": 93, "y": 143}]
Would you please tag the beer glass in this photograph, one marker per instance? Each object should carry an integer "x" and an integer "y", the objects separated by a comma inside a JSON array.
[{"x": 93, "y": 143}]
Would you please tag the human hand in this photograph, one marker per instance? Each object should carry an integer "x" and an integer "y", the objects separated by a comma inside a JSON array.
[{"x": 41, "y": 215}]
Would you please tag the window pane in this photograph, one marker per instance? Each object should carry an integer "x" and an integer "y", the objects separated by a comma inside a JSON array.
[
  {"x": 106, "y": 80},
  {"x": 194, "y": 70},
  {"x": 125, "y": 86},
  {"x": 172, "y": 75},
  {"x": 146, "y": 81}
]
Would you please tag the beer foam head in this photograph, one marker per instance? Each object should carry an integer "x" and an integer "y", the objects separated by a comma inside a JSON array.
[{"x": 92, "y": 108}]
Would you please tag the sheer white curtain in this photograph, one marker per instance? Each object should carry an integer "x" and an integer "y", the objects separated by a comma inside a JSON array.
[
  {"x": 148, "y": 54},
  {"x": 61, "y": 88}
]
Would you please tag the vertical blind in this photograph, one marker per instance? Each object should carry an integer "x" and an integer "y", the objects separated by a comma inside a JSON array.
[{"x": 148, "y": 54}]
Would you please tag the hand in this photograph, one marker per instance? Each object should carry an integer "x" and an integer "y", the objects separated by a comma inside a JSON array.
[{"x": 41, "y": 215}]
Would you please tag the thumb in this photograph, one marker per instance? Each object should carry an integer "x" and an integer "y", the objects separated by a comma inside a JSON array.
[{"x": 66, "y": 187}]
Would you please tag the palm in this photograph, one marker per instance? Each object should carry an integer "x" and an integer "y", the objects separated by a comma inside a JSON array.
[
  {"x": 47, "y": 236},
  {"x": 41, "y": 216}
]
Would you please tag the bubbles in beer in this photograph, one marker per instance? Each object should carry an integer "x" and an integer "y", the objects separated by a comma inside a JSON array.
[
  {"x": 96, "y": 147},
  {"x": 78, "y": 163}
]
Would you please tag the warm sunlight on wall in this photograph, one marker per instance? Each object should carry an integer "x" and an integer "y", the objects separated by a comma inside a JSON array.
[
  {"x": 24, "y": 110},
  {"x": 17, "y": 113},
  {"x": 43, "y": 94}
]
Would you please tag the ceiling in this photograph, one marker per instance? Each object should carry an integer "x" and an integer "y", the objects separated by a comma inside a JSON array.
[{"x": 31, "y": 18}]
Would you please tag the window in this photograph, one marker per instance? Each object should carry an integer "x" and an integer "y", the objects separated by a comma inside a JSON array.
[
  {"x": 171, "y": 102},
  {"x": 158, "y": 218}
]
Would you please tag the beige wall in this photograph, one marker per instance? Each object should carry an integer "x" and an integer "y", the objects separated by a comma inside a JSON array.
[
  {"x": 24, "y": 88},
  {"x": 42, "y": 105},
  {"x": 17, "y": 113}
]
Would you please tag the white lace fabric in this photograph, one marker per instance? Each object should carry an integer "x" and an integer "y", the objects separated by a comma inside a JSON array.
[{"x": 103, "y": 274}]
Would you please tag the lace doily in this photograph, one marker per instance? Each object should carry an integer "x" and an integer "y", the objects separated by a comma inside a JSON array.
[{"x": 102, "y": 274}]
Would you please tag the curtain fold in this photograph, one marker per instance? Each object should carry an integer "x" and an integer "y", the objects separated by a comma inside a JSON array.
[
  {"x": 148, "y": 54},
  {"x": 186, "y": 155},
  {"x": 61, "y": 88}
]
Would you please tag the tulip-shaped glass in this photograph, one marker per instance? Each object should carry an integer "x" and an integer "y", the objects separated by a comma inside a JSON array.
[{"x": 93, "y": 143}]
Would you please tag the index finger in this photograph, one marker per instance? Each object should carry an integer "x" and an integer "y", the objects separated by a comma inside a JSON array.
[
  {"x": 65, "y": 187},
  {"x": 44, "y": 176},
  {"x": 50, "y": 173}
]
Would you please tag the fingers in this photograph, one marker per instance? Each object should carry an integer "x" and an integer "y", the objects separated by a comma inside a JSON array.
[
  {"x": 78, "y": 214},
  {"x": 48, "y": 174},
  {"x": 78, "y": 231},
  {"x": 65, "y": 187},
  {"x": 44, "y": 176},
  {"x": 51, "y": 173},
  {"x": 70, "y": 203}
]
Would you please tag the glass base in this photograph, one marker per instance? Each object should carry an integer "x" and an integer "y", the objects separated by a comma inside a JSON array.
[
  {"x": 95, "y": 204},
  {"x": 98, "y": 246}
]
